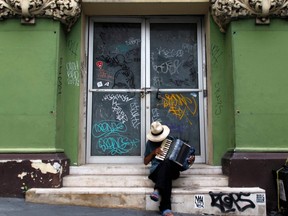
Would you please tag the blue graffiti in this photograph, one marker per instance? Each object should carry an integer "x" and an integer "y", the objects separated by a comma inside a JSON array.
[
  {"x": 111, "y": 139},
  {"x": 107, "y": 128},
  {"x": 118, "y": 145}
]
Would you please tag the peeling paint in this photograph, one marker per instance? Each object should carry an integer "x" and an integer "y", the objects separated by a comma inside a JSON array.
[
  {"x": 46, "y": 167},
  {"x": 21, "y": 176},
  {"x": 6, "y": 161}
]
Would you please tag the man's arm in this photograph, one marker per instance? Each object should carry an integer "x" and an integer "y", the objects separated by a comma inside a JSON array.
[{"x": 149, "y": 157}]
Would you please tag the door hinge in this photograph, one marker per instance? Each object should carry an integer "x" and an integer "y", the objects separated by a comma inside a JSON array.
[{"x": 205, "y": 93}]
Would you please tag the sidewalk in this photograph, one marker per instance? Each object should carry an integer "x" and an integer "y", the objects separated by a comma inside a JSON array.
[{"x": 18, "y": 207}]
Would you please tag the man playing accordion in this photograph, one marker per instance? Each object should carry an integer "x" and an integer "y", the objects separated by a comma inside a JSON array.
[{"x": 162, "y": 172}]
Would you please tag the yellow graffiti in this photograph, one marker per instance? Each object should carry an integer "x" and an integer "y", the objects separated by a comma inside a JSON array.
[{"x": 180, "y": 106}]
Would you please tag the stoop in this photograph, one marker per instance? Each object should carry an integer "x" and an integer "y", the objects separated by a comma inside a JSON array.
[{"x": 200, "y": 190}]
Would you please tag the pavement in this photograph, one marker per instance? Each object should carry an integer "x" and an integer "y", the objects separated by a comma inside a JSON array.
[{"x": 19, "y": 207}]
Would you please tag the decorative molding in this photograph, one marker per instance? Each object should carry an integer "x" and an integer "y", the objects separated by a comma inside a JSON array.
[
  {"x": 224, "y": 11},
  {"x": 66, "y": 11}
]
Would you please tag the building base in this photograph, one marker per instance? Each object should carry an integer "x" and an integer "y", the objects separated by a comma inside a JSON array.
[
  {"x": 246, "y": 169},
  {"x": 20, "y": 172}
]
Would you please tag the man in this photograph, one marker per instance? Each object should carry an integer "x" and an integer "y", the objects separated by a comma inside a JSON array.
[{"x": 162, "y": 173}]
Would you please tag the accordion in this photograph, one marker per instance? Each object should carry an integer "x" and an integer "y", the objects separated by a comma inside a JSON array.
[{"x": 177, "y": 151}]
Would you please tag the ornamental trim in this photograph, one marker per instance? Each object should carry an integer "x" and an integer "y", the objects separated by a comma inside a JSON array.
[
  {"x": 65, "y": 11},
  {"x": 224, "y": 11}
]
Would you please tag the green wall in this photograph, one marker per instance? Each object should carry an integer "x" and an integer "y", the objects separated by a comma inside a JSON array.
[
  {"x": 39, "y": 87},
  {"x": 260, "y": 78},
  {"x": 248, "y": 82},
  {"x": 70, "y": 93},
  {"x": 27, "y": 86},
  {"x": 221, "y": 79}
]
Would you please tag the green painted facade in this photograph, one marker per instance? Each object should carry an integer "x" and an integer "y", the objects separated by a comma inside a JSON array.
[
  {"x": 40, "y": 82},
  {"x": 39, "y": 110},
  {"x": 248, "y": 77},
  {"x": 260, "y": 85}
]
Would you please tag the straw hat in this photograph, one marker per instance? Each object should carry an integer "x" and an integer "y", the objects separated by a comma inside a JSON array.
[{"x": 158, "y": 132}]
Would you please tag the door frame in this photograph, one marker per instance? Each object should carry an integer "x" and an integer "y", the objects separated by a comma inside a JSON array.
[{"x": 145, "y": 61}]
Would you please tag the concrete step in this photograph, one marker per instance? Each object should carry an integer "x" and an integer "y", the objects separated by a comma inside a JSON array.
[
  {"x": 200, "y": 190},
  {"x": 142, "y": 181},
  {"x": 207, "y": 200},
  {"x": 137, "y": 169}
]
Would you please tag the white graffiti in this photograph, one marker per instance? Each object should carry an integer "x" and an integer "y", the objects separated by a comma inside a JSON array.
[
  {"x": 168, "y": 67},
  {"x": 134, "y": 110},
  {"x": 132, "y": 41},
  {"x": 157, "y": 81},
  {"x": 169, "y": 53},
  {"x": 187, "y": 47},
  {"x": 72, "y": 69},
  {"x": 110, "y": 97}
]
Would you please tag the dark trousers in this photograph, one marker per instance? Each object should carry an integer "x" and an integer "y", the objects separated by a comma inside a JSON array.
[{"x": 162, "y": 176}]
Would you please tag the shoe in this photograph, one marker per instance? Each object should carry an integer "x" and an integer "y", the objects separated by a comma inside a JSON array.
[
  {"x": 167, "y": 212},
  {"x": 154, "y": 196}
]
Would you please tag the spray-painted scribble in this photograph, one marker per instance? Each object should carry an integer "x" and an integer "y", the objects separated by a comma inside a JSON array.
[
  {"x": 135, "y": 114},
  {"x": 230, "y": 202},
  {"x": 169, "y": 53},
  {"x": 117, "y": 146},
  {"x": 155, "y": 115},
  {"x": 188, "y": 48},
  {"x": 72, "y": 70},
  {"x": 116, "y": 100},
  {"x": 180, "y": 106},
  {"x": 216, "y": 53},
  {"x": 108, "y": 128},
  {"x": 59, "y": 78},
  {"x": 111, "y": 97},
  {"x": 219, "y": 101},
  {"x": 133, "y": 41},
  {"x": 168, "y": 67},
  {"x": 157, "y": 81},
  {"x": 111, "y": 138}
]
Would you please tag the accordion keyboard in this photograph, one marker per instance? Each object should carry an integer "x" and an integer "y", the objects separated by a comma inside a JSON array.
[{"x": 165, "y": 146}]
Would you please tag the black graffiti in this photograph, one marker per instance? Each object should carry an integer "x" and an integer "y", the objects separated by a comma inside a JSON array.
[{"x": 230, "y": 202}]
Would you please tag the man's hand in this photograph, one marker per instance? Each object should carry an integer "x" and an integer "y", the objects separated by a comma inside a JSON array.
[
  {"x": 191, "y": 159},
  {"x": 158, "y": 151}
]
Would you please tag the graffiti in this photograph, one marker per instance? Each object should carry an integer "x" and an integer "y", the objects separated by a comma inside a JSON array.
[
  {"x": 104, "y": 75},
  {"x": 116, "y": 106},
  {"x": 216, "y": 53},
  {"x": 132, "y": 41},
  {"x": 157, "y": 81},
  {"x": 72, "y": 69},
  {"x": 199, "y": 201},
  {"x": 124, "y": 78},
  {"x": 180, "y": 106},
  {"x": 171, "y": 67},
  {"x": 111, "y": 97},
  {"x": 188, "y": 48},
  {"x": 59, "y": 89},
  {"x": 219, "y": 101},
  {"x": 117, "y": 146},
  {"x": 118, "y": 60},
  {"x": 231, "y": 202},
  {"x": 135, "y": 119},
  {"x": 169, "y": 53},
  {"x": 107, "y": 128},
  {"x": 155, "y": 115},
  {"x": 111, "y": 139},
  {"x": 73, "y": 47}
]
